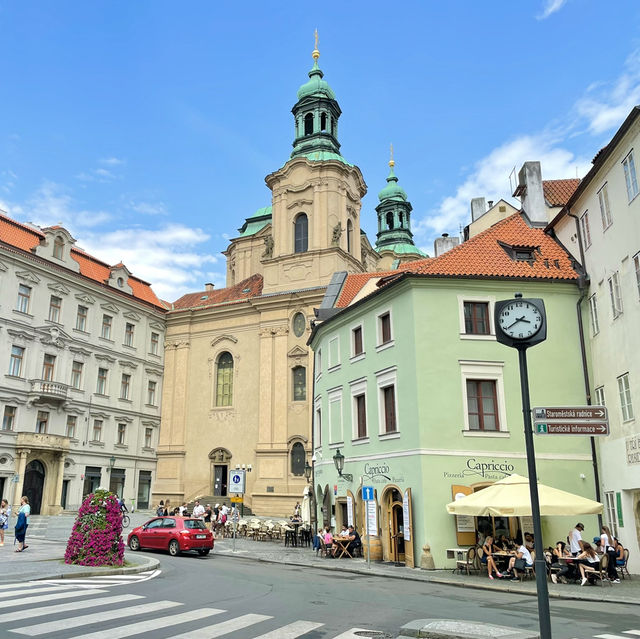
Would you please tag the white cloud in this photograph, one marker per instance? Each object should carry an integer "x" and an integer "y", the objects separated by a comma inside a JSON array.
[
  {"x": 97, "y": 175},
  {"x": 148, "y": 208},
  {"x": 111, "y": 161},
  {"x": 551, "y": 6}
]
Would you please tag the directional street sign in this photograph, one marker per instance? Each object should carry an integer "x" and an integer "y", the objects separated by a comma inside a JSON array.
[
  {"x": 572, "y": 428},
  {"x": 570, "y": 413},
  {"x": 237, "y": 499}
]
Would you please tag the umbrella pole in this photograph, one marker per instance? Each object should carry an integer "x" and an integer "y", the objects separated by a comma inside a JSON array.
[{"x": 540, "y": 564}]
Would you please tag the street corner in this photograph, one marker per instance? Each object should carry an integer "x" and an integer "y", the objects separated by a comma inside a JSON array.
[{"x": 458, "y": 629}]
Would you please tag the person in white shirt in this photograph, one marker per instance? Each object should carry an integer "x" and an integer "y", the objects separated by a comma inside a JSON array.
[
  {"x": 606, "y": 543},
  {"x": 522, "y": 553},
  {"x": 576, "y": 544},
  {"x": 198, "y": 510}
]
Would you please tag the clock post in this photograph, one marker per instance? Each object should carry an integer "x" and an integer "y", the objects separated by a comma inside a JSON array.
[{"x": 522, "y": 323}]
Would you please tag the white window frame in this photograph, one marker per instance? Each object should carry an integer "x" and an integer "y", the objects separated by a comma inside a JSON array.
[
  {"x": 599, "y": 396},
  {"x": 82, "y": 319},
  {"x": 636, "y": 265},
  {"x": 148, "y": 438},
  {"x": 122, "y": 431},
  {"x": 72, "y": 421},
  {"x": 79, "y": 372},
  {"x": 356, "y": 388},
  {"x": 154, "y": 344},
  {"x": 630, "y": 176},
  {"x": 55, "y": 310},
  {"x": 615, "y": 294},
  {"x": 486, "y": 299},
  {"x": 100, "y": 430},
  {"x": 593, "y": 313},
  {"x": 585, "y": 229},
  {"x": 13, "y": 358},
  {"x": 23, "y": 303},
  {"x": 380, "y": 346},
  {"x": 624, "y": 395},
  {"x": 106, "y": 327},
  {"x": 384, "y": 379},
  {"x": 486, "y": 371},
  {"x": 317, "y": 422},
  {"x": 8, "y": 419},
  {"x": 355, "y": 357},
  {"x": 44, "y": 420},
  {"x": 318, "y": 363},
  {"x": 152, "y": 392},
  {"x": 336, "y": 431},
  {"x": 125, "y": 389},
  {"x": 104, "y": 391},
  {"x": 333, "y": 345},
  {"x": 605, "y": 207},
  {"x": 129, "y": 335},
  {"x": 611, "y": 511}
]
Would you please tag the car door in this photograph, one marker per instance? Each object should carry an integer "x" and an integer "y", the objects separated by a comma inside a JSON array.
[
  {"x": 166, "y": 533},
  {"x": 149, "y": 534}
]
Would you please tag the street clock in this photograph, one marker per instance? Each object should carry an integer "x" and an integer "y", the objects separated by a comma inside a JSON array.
[{"x": 520, "y": 322}]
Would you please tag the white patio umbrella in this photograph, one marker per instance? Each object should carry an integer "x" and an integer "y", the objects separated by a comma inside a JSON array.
[
  {"x": 510, "y": 497},
  {"x": 306, "y": 507}
]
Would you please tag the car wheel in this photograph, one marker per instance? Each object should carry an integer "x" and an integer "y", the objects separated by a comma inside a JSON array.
[
  {"x": 174, "y": 548},
  {"x": 203, "y": 551},
  {"x": 134, "y": 543}
]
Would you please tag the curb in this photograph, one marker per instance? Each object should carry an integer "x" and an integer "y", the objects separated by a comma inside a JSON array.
[{"x": 147, "y": 563}]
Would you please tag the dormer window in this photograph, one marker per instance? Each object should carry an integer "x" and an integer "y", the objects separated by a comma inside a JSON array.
[
  {"x": 520, "y": 253},
  {"x": 523, "y": 255},
  {"x": 120, "y": 282},
  {"x": 58, "y": 247}
]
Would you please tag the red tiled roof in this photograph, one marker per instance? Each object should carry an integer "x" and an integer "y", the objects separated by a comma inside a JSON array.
[
  {"x": 26, "y": 238},
  {"x": 251, "y": 287},
  {"x": 354, "y": 284},
  {"x": 558, "y": 192}
]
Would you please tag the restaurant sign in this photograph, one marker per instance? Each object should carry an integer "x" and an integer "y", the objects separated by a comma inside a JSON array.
[
  {"x": 632, "y": 445},
  {"x": 490, "y": 469}
]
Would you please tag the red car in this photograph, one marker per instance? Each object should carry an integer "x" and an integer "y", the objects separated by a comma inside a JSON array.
[{"x": 175, "y": 534}]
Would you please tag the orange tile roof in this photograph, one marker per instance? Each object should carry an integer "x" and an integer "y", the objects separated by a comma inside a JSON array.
[
  {"x": 26, "y": 238},
  {"x": 354, "y": 284},
  {"x": 251, "y": 287},
  {"x": 558, "y": 192}
]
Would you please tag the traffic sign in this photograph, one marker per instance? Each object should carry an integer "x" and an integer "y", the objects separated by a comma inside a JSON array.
[
  {"x": 237, "y": 499},
  {"x": 581, "y": 413},
  {"x": 236, "y": 482},
  {"x": 367, "y": 493},
  {"x": 572, "y": 428}
]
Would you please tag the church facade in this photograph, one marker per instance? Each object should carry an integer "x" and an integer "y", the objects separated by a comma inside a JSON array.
[{"x": 238, "y": 372}]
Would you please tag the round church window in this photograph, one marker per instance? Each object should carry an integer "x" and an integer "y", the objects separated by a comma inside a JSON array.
[{"x": 298, "y": 324}]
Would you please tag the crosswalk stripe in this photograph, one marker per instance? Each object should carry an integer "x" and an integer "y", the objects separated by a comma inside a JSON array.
[
  {"x": 28, "y": 601},
  {"x": 80, "y": 605},
  {"x": 292, "y": 630},
  {"x": 351, "y": 633},
  {"x": 26, "y": 584},
  {"x": 225, "y": 627},
  {"x": 7, "y": 595},
  {"x": 95, "y": 617},
  {"x": 152, "y": 624},
  {"x": 608, "y": 636},
  {"x": 88, "y": 582}
]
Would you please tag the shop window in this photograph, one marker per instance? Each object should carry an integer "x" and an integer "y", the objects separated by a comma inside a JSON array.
[
  {"x": 224, "y": 380},
  {"x": 298, "y": 457}
]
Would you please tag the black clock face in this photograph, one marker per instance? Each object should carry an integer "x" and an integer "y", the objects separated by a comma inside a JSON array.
[{"x": 520, "y": 319}]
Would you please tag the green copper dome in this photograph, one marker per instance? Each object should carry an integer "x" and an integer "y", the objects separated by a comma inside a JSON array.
[
  {"x": 392, "y": 191},
  {"x": 316, "y": 86}
]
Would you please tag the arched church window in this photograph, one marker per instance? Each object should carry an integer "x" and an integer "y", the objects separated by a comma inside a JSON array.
[
  {"x": 301, "y": 234},
  {"x": 308, "y": 124},
  {"x": 323, "y": 122},
  {"x": 224, "y": 380},
  {"x": 349, "y": 236},
  {"x": 299, "y": 378},
  {"x": 297, "y": 459},
  {"x": 58, "y": 247},
  {"x": 389, "y": 220},
  {"x": 400, "y": 216}
]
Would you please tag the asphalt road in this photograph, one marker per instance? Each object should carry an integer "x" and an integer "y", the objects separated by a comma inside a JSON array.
[{"x": 268, "y": 597}]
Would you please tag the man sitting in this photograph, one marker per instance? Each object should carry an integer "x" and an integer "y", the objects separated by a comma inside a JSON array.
[{"x": 355, "y": 543}]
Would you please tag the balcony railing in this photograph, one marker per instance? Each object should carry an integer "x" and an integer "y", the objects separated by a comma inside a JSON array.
[{"x": 45, "y": 389}]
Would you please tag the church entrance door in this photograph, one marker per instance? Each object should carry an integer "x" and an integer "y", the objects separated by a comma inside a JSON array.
[
  {"x": 34, "y": 485},
  {"x": 220, "y": 480}
]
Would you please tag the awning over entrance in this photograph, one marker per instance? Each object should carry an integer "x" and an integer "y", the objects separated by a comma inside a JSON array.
[{"x": 510, "y": 497}]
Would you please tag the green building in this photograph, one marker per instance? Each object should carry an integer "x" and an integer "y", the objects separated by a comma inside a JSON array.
[{"x": 411, "y": 387}]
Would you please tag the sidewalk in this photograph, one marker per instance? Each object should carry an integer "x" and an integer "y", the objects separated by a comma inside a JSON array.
[{"x": 627, "y": 592}]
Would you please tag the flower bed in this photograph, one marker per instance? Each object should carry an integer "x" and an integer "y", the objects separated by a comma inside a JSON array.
[{"x": 96, "y": 538}]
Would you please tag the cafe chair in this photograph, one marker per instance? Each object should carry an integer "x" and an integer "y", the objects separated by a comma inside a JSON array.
[
  {"x": 469, "y": 562},
  {"x": 599, "y": 572},
  {"x": 530, "y": 571},
  {"x": 625, "y": 566}
]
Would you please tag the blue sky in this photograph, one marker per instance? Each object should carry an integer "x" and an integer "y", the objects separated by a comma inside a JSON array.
[{"x": 147, "y": 127}]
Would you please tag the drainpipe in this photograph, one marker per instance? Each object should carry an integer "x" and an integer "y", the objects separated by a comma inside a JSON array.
[{"x": 582, "y": 285}]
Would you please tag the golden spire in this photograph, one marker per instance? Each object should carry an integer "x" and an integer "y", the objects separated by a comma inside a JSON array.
[
  {"x": 391, "y": 162},
  {"x": 316, "y": 54}
]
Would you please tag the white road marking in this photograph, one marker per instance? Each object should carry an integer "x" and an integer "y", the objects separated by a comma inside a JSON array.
[
  {"x": 351, "y": 633},
  {"x": 80, "y": 605},
  {"x": 28, "y": 601},
  {"x": 608, "y": 636},
  {"x": 225, "y": 627},
  {"x": 292, "y": 630},
  {"x": 6, "y": 595},
  {"x": 95, "y": 617}
]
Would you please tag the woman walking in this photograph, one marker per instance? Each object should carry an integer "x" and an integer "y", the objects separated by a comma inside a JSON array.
[
  {"x": 5, "y": 511},
  {"x": 25, "y": 509},
  {"x": 21, "y": 531}
]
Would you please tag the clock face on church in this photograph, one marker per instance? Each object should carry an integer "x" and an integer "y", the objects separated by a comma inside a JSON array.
[{"x": 299, "y": 324}]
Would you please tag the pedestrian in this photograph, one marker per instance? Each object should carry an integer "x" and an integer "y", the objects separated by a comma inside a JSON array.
[
  {"x": 26, "y": 510},
  {"x": 21, "y": 531},
  {"x": 606, "y": 543},
  {"x": 198, "y": 510},
  {"x": 5, "y": 512},
  {"x": 207, "y": 516},
  {"x": 297, "y": 510},
  {"x": 160, "y": 510},
  {"x": 576, "y": 545}
]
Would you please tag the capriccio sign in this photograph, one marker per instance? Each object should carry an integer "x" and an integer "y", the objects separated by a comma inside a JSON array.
[
  {"x": 483, "y": 469},
  {"x": 382, "y": 469}
]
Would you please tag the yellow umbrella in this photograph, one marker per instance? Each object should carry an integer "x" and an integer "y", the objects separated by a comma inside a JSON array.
[{"x": 510, "y": 497}]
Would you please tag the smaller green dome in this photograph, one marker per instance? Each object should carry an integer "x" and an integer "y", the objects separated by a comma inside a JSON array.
[
  {"x": 392, "y": 191},
  {"x": 316, "y": 86}
]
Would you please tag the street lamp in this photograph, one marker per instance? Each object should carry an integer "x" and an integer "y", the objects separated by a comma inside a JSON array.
[
  {"x": 112, "y": 463},
  {"x": 338, "y": 460},
  {"x": 307, "y": 471}
]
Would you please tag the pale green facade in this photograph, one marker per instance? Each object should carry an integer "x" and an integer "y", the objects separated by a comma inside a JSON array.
[{"x": 428, "y": 360}]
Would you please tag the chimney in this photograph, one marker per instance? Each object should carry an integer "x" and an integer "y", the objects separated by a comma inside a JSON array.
[
  {"x": 478, "y": 208},
  {"x": 490, "y": 203},
  {"x": 531, "y": 194},
  {"x": 209, "y": 286},
  {"x": 445, "y": 243}
]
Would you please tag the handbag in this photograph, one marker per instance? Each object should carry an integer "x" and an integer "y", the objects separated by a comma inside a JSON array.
[{"x": 520, "y": 564}]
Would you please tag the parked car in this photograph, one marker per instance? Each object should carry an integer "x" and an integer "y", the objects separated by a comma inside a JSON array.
[{"x": 175, "y": 534}]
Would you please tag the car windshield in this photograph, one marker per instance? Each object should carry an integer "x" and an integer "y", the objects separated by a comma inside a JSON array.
[{"x": 194, "y": 524}]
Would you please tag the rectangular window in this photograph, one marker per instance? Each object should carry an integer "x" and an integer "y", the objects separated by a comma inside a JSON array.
[
  {"x": 55, "y": 304},
  {"x": 636, "y": 266},
  {"x": 584, "y": 229},
  {"x": 482, "y": 405},
  {"x": 155, "y": 341},
  {"x": 476, "y": 318},
  {"x": 389, "y": 401},
  {"x": 360, "y": 406},
  {"x": 630, "y": 177},
  {"x": 593, "y": 311},
  {"x": 81, "y": 318},
  {"x": 122, "y": 434},
  {"x": 101, "y": 385},
  {"x": 128, "y": 334},
  {"x": 318, "y": 426},
  {"x": 15, "y": 363},
  {"x": 384, "y": 328},
  {"x": 96, "y": 434},
  {"x": 318, "y": 362},
  {"x": 356, "y": 337},
  {"x": 107, "y": 321},
  {"x": 48, "y": 365},
  {"x": 599, "y": 396},
  {"x": 299, "y": 380},
  {"x": 614, "y": 292},
  {"x": 605, "y": 210},
  {"x": 334, "y": 353},
  {"x": 624, "y": 392},
  {"x": 24, "y": 298},
  {"x": 72, "y": 424},
  {"x": 148, "y": 437},
  {"x": 612, "y": 518},
  {"x": 151, "y": 393},
  {"x": 76, "y": 374},
  {"x": 124, "y": 386},
  {"x": 9, "y": 417},
  {"x": 42, "y": 421}
]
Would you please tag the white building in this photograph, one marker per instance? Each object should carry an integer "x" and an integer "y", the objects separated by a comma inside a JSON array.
[
  {"x": 600, "y": 225},
  {"x": 81, "y": 349}
]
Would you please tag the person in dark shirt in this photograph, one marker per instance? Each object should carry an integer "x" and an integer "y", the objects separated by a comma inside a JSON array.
[{"x": 355, "y": 543}]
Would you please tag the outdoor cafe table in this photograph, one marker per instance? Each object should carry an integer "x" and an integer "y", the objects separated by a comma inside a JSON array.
[{"x": 342, "y": 546}]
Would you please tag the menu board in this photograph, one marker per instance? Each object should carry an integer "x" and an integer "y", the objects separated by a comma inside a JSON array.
[
  {"x": 372, "y": 518},
  {"x": 349, "y": 510}
]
